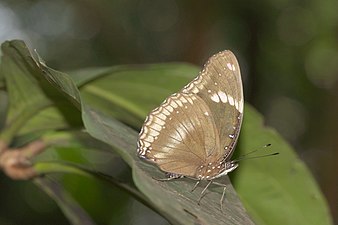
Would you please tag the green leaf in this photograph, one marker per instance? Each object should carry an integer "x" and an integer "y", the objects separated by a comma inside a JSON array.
[
  {"x": 285, "y": 176},
  {"x": 3, "y": 108},
  {"x": 70, "y": 208},
  {"x": 31, "y": 95},
  {"x": 24, "y": 102},
  {"x": 278, "y": 189},
  {"x": 129, "y": 92},
  {"x": 34, "y": 105},
  {"x": 173, "y": 200},
  {"x": 273, "y": 189},
  {"x": 79, "y": 162},
  {"x": 59, "y": 97}
]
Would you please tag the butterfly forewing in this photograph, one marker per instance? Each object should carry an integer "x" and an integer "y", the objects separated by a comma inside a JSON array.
[
  {"x": 220, "y": 86},
  {"x": 197, "y": 127}
]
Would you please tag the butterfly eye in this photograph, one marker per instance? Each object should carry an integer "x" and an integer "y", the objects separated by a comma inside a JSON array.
[{"x": 232, "y": 166}]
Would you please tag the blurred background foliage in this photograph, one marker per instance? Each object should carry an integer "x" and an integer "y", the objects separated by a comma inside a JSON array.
[{"x": 288, "y": 52}]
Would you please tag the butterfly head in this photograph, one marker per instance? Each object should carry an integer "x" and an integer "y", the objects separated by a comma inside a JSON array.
[
  {"x": 216, "y": 169},
  {"x": 231, "y": 166}
]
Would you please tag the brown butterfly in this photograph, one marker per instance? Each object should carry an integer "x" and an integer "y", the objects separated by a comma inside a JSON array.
[{"x": 193, "y": 133}]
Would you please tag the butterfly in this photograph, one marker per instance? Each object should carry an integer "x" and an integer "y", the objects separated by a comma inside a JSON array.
[{"x": 193, "y": 133}]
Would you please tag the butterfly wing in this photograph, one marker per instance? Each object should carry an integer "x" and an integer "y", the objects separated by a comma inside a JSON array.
[
  {"x": 199, "y": 124},
  {"x": 219, "y": 84},
  {"x": 176, "y": 135}
]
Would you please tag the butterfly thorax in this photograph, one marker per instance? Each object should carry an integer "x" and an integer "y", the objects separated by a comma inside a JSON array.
[{"x": 212, "y": 170}]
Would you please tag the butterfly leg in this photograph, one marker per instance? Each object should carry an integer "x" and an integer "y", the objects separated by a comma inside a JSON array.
[
  {"x": 222, "y": 198},
  {"x": 169, "y": 176},
  {"x": 195, "y": 186},
  {"x": 219, "y": 184},
  {"x": 165, "y": 179},
  {"x": 223, "y": 194},
  {"x": 203, "y": 192}
]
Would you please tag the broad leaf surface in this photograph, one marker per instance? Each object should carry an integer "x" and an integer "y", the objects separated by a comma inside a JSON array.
[
  {"x": 69, "y": 206},
  {"x": 35, "y": 104},
  {"x": 267, "y": 186},
  {"x": 173, "y": 199},
  {"x": 305, "y": 202},
  {"x": 128, "y": 93},
  {"x": 278, "y": 189},
  {"x": 271, "y": 188}
]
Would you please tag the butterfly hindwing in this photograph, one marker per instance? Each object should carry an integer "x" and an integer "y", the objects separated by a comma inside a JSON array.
[{"x": 176, "y": 135}]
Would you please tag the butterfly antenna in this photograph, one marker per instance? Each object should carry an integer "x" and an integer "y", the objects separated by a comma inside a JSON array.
[
  {"x": 245, "y": 156},
  {"x": 256, "y": 150}
]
